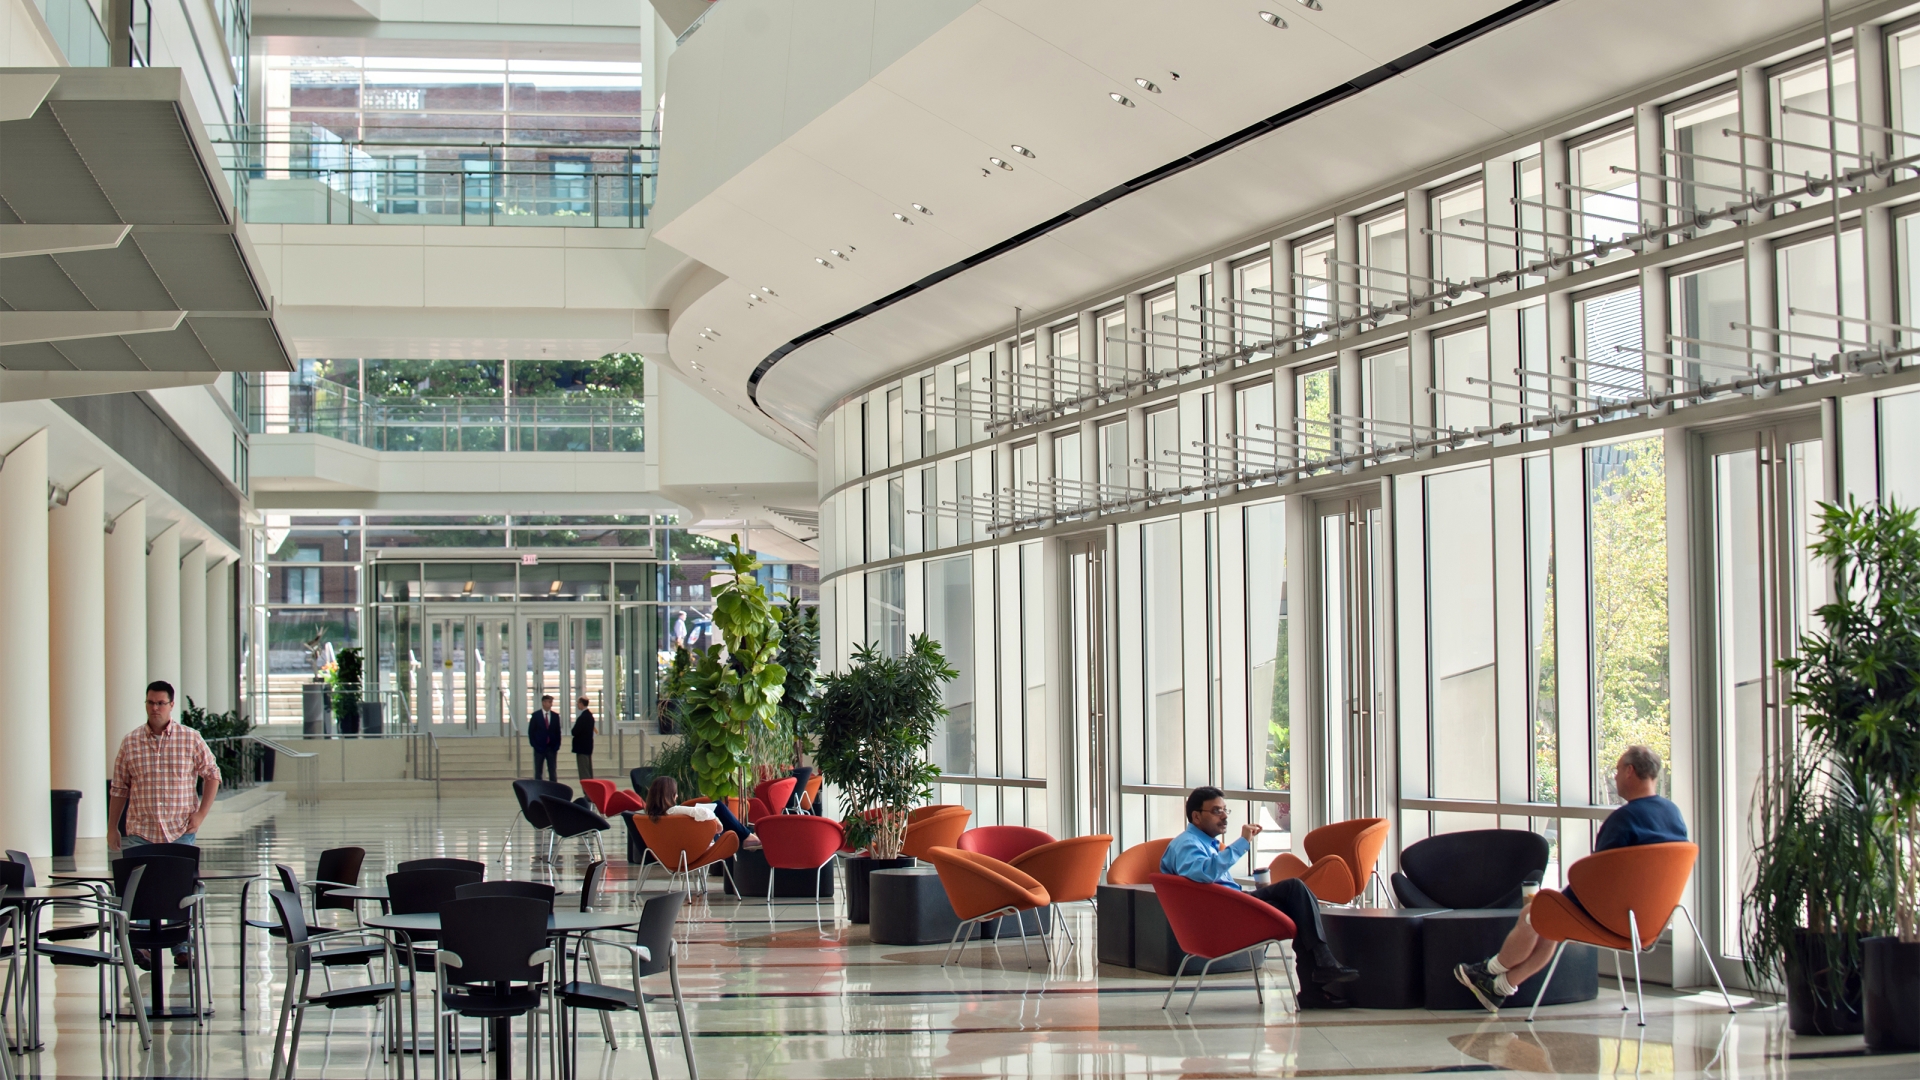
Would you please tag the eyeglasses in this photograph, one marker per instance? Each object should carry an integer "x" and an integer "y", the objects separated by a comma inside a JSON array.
[{"x": 1219, "y": 812}]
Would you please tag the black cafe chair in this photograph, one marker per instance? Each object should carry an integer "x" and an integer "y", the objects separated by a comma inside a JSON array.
[
  {"x": 469, "y": 865},
  {"x": 301, "y": 956},
  {"x": 651, "y": 950},
  {"x": 493, "y": 963},
  {"x": 571, "y": 821}
]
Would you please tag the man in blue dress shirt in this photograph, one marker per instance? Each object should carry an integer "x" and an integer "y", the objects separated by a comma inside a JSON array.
[
  {"x": 1196, "y": 854},
  {"x": 1646, "y": 818}
]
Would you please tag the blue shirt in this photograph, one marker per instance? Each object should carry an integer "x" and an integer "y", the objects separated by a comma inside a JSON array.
[
  {"x": 1649, "y": 819},
  {"x": 1195, "y": 855}
]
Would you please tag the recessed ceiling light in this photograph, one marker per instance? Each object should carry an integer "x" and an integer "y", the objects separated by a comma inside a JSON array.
[
  {"x": 824, "y": 263},
  {"x": 1310, "y": 5},
  {"x": 922, "y": 209},
  {"x": 903, "y": 219},
  {"x": 1175, "y": 74},
  {"x": 1147, "y": 86},
  {"x": 1273, "y": 20},
  {"x": 1000, "y": 163},
  {"x": 1022, "y": 151},
  {"x": 768, "y": 291},
  {"x": 1121, "y": 99},
  {"x": 837, "y": 253}
]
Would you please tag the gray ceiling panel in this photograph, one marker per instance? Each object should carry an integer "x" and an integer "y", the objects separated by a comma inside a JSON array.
[
  {"x": 117, "y": 279},
  {"x": 39, "y": 356},
  {"x": 203, "y": 271},
  {"x": 140, "y": 153},
  {"x": 37, "y": 283},
  {"x": 242, "y": 344},
  {"x": 103, "y": 354},
  {"x": 174, "y": 350},
  {"x": 42, "y": 177}
]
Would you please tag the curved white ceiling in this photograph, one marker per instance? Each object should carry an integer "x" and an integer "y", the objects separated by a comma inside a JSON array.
[{"x": 1040, "y": 74}]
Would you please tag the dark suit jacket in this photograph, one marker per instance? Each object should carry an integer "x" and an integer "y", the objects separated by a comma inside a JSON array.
[
  {"x": 583, "y": 732},
  {"x": 543, "y": 731}
]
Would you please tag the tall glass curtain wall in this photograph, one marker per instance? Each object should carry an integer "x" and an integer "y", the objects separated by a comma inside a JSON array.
[
  {"x": 459, "y": 639},
  {"x": 1526, "y": 536}
]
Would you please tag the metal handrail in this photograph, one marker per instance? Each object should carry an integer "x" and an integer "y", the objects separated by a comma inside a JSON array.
[
  {"x": 489, "y": 424},
  {"x": 306, "y": 760}
]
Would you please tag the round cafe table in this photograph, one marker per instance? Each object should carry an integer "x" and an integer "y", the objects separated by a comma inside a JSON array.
[
  {"x": 157, "y": 1007},
  {"x": 559, "y": 924},
  {"x": 30, "y": 901}
]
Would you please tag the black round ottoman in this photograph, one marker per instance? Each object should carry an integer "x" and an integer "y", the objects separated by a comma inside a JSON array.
[
  {"x": 1464, "y": 936},
  {"x": 1387, "y": 947}
]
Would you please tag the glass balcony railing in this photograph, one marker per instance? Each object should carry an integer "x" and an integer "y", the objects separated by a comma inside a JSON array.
[
  {"x": 309, "y": 175},
  {"x": 77, "y": 31},
  {"x": 566, "y": 423}
]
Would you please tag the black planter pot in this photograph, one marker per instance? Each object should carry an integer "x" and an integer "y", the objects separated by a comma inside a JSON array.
[
  {"x": 859, "y": 898},
  {"x": 1891, "y": 981},
  {"x": 1811, "y": 1008}
]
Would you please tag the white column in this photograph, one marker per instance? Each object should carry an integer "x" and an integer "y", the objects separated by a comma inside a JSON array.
[
  {"x": 163, "y": 608},
  {"x": 193, "y": 625},
  {"x": 25, "y": 772},
  {"x": 220, "y": 675},
  {"x": 126, "y": 627},
  {"x": 77, "y": 629}
]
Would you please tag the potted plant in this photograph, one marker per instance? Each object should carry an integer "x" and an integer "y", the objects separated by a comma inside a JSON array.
[
  {"x": 1819, "y": 887},
  {"x": 732, "y": 692},
  {"x": 217, "y": 728},
  {"x": 345, "y": 678},
  {"x": 1858, "y": 689},
  {"x": 873, "y": 724}
]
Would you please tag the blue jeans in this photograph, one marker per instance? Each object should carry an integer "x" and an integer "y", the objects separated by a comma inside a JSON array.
[{"x": 552, "y": 760}]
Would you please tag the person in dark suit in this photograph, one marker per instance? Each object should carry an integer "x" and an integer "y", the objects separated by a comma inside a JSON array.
[
  {"x": 543, "y": 731},
  {"x": 583, "y": 740}
]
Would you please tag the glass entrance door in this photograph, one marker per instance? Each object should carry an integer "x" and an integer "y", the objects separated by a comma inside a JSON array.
[
  {"x": 1353, "y": 697},
  {"x": 1765, "y": 487},
  {"x": 469, "y": 656},
  {"x": 1086, "y": 716}
]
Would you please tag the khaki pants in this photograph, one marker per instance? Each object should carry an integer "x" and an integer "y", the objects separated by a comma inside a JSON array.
[{"x": 585, "y": 762}]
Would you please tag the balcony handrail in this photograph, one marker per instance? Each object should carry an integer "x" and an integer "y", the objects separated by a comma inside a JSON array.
[{"x": 340, "y": 412}]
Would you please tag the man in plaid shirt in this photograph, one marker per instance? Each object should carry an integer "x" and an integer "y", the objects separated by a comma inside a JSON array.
[{"x": 153, "y": 780}]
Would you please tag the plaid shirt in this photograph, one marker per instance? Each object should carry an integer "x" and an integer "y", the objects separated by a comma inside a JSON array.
[{"x": 158, "y": 773}]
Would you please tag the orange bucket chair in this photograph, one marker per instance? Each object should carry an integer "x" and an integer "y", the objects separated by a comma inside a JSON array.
[
  {"x": 1343, "y": 855},
  {"x": 684, "y": 845},
  {"x": 919, "y": 812},
  {"x": 1626, "y": 898},
  {"x": 622, "y": 801},
  {"x": 1138, "y": 863},
  {"x": 1003, "y": 842},
  {"x": 1068, "y": 869},
  {"x": 980, "y": 888},
  {"x": 811, "y": 793},
  {"x": 942, "y": 828}
]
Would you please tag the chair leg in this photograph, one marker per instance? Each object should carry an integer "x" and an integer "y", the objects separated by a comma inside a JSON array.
[
  {"x": 1621, "y": 978},
  {"x": 1254, "y": 964},
  {"x": 956, "y": 940},
  {"x": 1286, "y": 967},
  {"x": 680, "y": 1006},
  {"x": 1639, "y": 995},
  {"x": 593, "y": 972},
  {"x": 1179, "y": 971},
  {"x": 1711, "y": 966},
  {"x": 280, "y": 1031},
  {"x": 1198, "y": 983},
  {"x": 1548, "y": 981},
  {"x": 1020, "y": 920}
]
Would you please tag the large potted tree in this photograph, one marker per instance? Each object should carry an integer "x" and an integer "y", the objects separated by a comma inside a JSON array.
[
  {"x": 872, "y": 725},
  {"x": 1857, "y": 684},
  {"x": 732, "y": 691}
]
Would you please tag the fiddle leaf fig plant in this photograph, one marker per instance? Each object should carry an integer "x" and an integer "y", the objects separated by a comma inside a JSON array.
[{"x": 734, "y": 687}]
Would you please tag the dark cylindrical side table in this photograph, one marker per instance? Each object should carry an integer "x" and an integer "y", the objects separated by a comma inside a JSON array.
[
  {"x": 910, "y": 907},
  {"x": 1387, "y": 946}
]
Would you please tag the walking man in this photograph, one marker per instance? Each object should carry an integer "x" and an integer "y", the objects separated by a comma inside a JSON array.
[
  {"x": 543, "y": 731},
  {"x": 153, "y": 785}
]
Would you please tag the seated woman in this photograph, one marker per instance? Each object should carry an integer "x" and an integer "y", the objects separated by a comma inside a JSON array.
[{"x": 663, "y": 799}]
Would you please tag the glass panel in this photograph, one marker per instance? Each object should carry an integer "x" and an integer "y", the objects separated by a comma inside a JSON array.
[
  {"x": 1254, "y": 302},
  {"x": 1807, "y": 303},
  {"x": 1611, "y": 336},
  {"x": 1033, "y": 665},
  {"x": 1802, "y": 92},
  {"x": 1529, "y": 184},
  {"x": 1114, "y": 467},
  {"x": 1383, "y": 248},
  {"x": 1900, "y": 448},
  {"x": 1463, "y": 404},
  {"x": 1460, "y": 254},
  {"x": 1389, "y": 404},
  {"x": 887, "y": 610},
  {"x": 1543, "y": 679},
  {"x": 1605, "y": 203},
  {"x": 1705, "y": 304},
  {"x": 896, "y": 428},
  {"x": 1317, "y": 400},
  {"x": 1536, "y": 363},
  {"x": 1698, "y": 151},
  {"x": 1460, "y": 637},
  {"x": 949, "y": 585},
  {"x": 896, "y": 516},
  {"x": 1253, "y": 422},
  {"x": 1627, "y": 523},
  {"x": 1163, "y": 448},
  {"x": 1740, "y": 667},
  {"x": 1269, "y": 703},
  {"x": 1313, "y": 276},
  {"x": 1162, "y": 639}
]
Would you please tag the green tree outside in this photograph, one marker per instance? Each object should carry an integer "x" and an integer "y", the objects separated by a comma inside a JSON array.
[{"x": 1627, "y": 516}]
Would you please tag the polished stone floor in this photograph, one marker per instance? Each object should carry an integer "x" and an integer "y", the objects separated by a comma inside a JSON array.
[{"x": 796, "y": 992}]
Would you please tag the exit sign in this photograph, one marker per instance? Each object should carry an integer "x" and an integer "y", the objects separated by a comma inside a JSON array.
[{"x": 529, "y": 559}]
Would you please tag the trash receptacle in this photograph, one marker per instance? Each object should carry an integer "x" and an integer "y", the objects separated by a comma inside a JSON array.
[
  {"x": 373, "y": 717},
  {"x": 315, "y": 704},
  {"x": 66, "y": 820}
]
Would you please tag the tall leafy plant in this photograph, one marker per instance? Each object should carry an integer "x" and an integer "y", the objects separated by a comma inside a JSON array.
[
  {"x": 800, "y": 656},
  {"x": 734, "y": 688},
  {"x": 1858, "y": 680},
  {"x": 348, "y": 672},
  {"x": 874, "y": 723}
]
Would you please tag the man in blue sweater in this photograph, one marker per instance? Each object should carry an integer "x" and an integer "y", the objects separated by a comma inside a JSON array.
[
  {"x": 1196, "y": 854},
  {"x": 1646, "y": 818}
]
